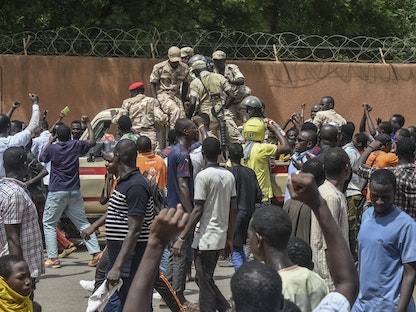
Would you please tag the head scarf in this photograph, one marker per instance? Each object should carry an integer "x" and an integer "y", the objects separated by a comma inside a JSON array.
[{"x": 11, "y": 301}]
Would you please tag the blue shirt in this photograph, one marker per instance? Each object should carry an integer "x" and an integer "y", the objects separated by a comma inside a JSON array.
[
  {"x": 179, "y": 166},
  {"x": 65, "y": 164},
  {"x": 384, "y": 245},
  {"x": 300, "y": 157}
]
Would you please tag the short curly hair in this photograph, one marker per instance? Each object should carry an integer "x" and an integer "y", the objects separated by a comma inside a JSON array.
[
  {"x": 256, "y": 287},
  {"x": 300, "y": 252},
  {"x": 6, "y": 263}
]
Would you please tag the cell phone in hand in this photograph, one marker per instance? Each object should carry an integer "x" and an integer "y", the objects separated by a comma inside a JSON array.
[{"x": 65, "y": 111}]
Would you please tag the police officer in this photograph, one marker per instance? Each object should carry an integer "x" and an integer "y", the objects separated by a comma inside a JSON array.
[
  {"x": 144, "y": 112},
  {"x": 212, "y": 90}
]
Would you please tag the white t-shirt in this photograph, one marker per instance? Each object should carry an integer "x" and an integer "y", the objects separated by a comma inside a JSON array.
[
  {"x": 333, "y": 302},
  {"x": 214, "y": 186}
]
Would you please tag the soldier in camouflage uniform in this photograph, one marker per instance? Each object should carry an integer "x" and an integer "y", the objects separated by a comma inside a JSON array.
[
  {"x": 186, "y": 54},
  {"x": 212, "y": 90},
  {"x": 165, "y": 85},
  {"x": 144, "y": 112},
  {"x": 236, "y": 79}
]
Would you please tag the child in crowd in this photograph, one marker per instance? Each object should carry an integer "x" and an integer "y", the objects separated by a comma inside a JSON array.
[{"x": 16, "y": 285}]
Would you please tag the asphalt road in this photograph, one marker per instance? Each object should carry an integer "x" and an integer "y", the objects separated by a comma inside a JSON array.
[{"x": 59, "y": 289}]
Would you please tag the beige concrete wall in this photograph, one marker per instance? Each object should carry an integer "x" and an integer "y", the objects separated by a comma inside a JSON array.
[{"x": 89, "y": 84}]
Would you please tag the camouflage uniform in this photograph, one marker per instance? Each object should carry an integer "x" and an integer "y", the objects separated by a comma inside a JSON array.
[
  {"x": 144, "y": 112},
  {"x": 238, "y": 111},
  {"x": 168, "y": 83},
  {"x": 216, "y": 85},
  {"x": 329, "y": 116}
]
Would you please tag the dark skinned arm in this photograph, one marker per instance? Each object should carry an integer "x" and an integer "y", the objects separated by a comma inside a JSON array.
[
  {"x": 192, "y": 104},
  {"x": 375, "y": 145},
  {"x": 363, "y": 122},
  {"x": 13, "y": 238},
  {"x": 41, "y": 174},
  {"x": 203, "y": 133},
  {"x": 52, "y": 139},
  {"x": 194, "y": 218},
  {"x": 85, "y": 233},
  {"x": 371, "y": 127},
  {"x": 302, "y": 187},
  {"x": 61, "y": 116},
  {"x": 231, "y": 227},
  {"x": 91, "y": 136},
  {"x": 284, "y": 148},
  {"x": 135, "y": 226},
  {"x": 14, "y": 106},
  {"x": 165, "y": 228},
  {"x": 185, "y": 194},
  {"x": 237, "y": 82},
  {"x": 230, "y": 98},
  {"x": 185, "y": 87},
  {"x": 153, "y": 90},
  {"x": 406, "y": 289},
  {"x": 286, "y": 123}
]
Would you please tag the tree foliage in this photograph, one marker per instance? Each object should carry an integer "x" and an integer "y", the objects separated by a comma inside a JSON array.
[{"x": 376, "y": 18}]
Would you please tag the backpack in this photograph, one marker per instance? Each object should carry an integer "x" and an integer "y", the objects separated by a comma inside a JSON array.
[{"x": 159, "y": 199}]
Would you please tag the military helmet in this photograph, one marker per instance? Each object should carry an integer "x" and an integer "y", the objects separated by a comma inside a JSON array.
[
  {"x": 254, "y": 129},
  {"x": 252, "y": 101},
  {"x": 198, "y": 65},
  {"x": 196, "y": 57},
  {"x": 210, "y": 63}
]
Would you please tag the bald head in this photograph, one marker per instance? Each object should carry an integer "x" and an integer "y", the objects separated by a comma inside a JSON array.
[
  {"x": 327, "y": 102},
  {"x": 126, "y": 151},
  {"x": 328, "y": 135}
]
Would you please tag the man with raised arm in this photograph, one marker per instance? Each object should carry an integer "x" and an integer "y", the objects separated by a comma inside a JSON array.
[
  {"x": 302, "y": 187},
  {"x": 21, "y": 138}
]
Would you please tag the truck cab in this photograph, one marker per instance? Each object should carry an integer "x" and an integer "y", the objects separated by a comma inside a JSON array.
[{"x": 92, "y": 165}]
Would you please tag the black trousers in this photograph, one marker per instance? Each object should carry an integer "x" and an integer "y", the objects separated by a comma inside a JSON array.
[{"x": 210, "y": 297}]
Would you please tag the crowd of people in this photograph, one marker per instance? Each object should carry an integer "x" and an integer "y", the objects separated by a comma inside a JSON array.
[{"x": 343, "y": 238}]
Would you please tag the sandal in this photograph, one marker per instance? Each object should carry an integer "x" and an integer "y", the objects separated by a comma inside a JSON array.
[
  {"x": 163, "y": 304},
  {"x": 190, "y": 307}
]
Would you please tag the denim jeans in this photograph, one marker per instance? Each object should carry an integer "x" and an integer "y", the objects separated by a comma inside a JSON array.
[
  {"x": 238, "y": 257},
  {"x": 164, "y": 261},
  {"x": 177, "y": 266},
  {"x": 72, "y": 204}
]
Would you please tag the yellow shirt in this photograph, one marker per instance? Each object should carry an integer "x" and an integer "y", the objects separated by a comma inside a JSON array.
[
  {"x": 303, "y": 287},
  {"x": 259, "y": 162}
]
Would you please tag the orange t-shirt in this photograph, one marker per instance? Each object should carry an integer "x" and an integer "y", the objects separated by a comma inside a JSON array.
[
  {"x": 380, "y": 159},
  {"x": 154, "y": 166}
]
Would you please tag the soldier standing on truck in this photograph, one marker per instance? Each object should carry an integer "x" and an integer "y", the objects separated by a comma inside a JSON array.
[
  {"x": 166, "y": 80},
  {"x": 143, "y": 111},
  {"x": 208, "y": 92},
  {"x": 236, "y": 79}
]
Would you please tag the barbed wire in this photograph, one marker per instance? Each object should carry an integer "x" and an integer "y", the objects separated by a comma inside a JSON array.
[{"x": 73, "y": 41}]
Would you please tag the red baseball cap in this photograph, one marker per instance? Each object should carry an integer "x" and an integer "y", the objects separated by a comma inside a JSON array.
[{"x": 136, "y": 85}]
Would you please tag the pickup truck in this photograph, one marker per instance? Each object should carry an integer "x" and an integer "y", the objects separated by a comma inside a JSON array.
[
  {"x": 92, "y": 165},
  {"x": 92, "y": 168}
]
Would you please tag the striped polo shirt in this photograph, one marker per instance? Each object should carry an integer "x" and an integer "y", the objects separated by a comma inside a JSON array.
[{"x": 131, "y": 197}]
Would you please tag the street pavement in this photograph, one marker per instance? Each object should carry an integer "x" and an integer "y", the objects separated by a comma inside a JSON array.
[{"x": 59, "y": 290}]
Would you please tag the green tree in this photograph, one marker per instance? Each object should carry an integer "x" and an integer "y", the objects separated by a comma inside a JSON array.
[{"x": 322, "y": 17}]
